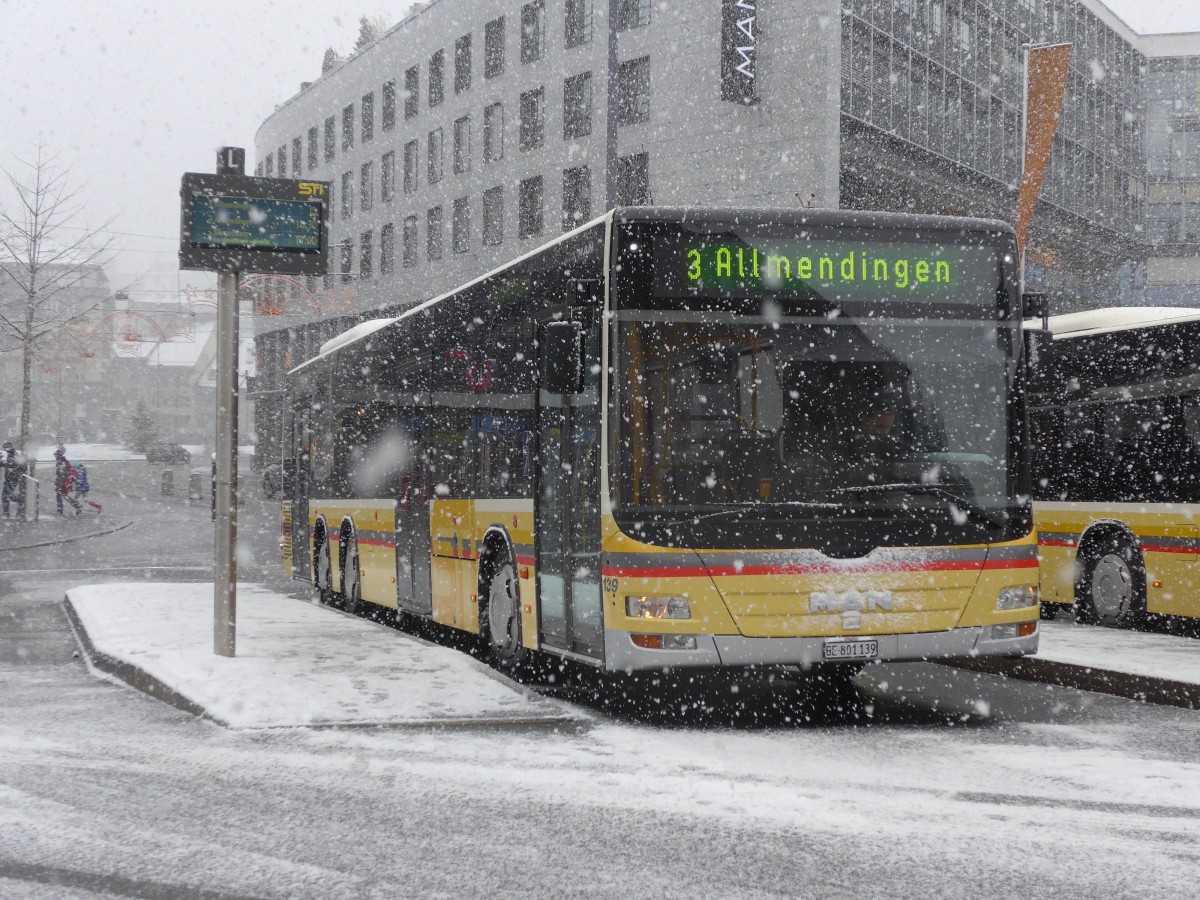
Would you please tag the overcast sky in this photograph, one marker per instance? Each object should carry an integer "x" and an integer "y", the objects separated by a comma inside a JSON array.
[{"x": 132, "y": 94}]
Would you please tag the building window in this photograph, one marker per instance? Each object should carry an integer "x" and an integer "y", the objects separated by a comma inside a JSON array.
[
  {"x": 387, "y": 176},
  {"x": 368, "y": 117},
  {"x": 283, "y": 162},
  {"x": 633, "y": 180},
  {"x": 493, "y": 133},
  {"x": 330, "y": 137},
  {"x": 633, "y": 14},
  {"x": 312, "y": 148},
  {"x": 493, "y": 48},
  {"x": 578, "y": 22},
  {"x": 529, "y": 207},
  {"x": 412, "y": 158},
  {"x": 347, "y": 127},
  {"x": 462, "y": 145},
  {"x": 365, "y": 263},
  {"x": 577, "y": 197},
  {"x": 297, "y": 152},
  {"x": 493, "y": 216},
  {"x": 533, "y": 31},
  {"x": 410, "y": 242},
  {"x": 389, "y": 106},
  {"x": 387, "y": 248},
  {"x": 270, "y": 166},
  {"x": 347, "y": 194},
  {"x": 437, "y": 74},
  {"x": 347, "y": 260},
  {"x": 434, "y": 168},
  {"x": 633, "y": 91},
  {"x": 433, "y": 235},
  {"x": 577, "y": 106},
  {"x": 366, "y": 186},
  {"x": 259, "y": 169},
  {"x": 462, "y": 64},
  {"x": 460, "y": 226},
  {"x": 412, "y": 92},
  {"x": 533, "y": 113}
]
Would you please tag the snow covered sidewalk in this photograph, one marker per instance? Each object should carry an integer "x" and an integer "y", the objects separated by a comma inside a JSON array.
[
  {"x": 1157, "y": 668},
  {"x": 297, "y": 665}
]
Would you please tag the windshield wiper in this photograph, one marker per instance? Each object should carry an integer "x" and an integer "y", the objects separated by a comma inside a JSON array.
[
  {"x": 749, "y": 507},
  {"x": 961, "y": 504}
]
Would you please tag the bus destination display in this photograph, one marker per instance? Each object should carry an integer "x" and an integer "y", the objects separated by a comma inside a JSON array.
[{"x": 861, "y": 270}]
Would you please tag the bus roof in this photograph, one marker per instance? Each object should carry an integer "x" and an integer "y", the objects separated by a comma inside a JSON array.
[
  {"x": 349, "y": 336},
  {"x": 1118, "y": 318}
]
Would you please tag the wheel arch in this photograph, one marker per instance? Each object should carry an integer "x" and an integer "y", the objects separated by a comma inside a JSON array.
[
  {"x": 1100, "y": 530},
  {"x": 495, "y": 544}
]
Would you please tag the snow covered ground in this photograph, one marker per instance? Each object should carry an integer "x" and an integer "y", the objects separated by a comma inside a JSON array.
[
  {"x": 1129, "y": 652},
  {"x": 296, "y": 664},
  {"x": 304, "y": 665},
  {"x": 87, "y": 452}
]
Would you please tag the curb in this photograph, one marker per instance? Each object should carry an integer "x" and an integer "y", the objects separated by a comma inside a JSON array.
[
  {"x": 1145, "y": 688},
  {"x": 131, "y": 675},
  {"x": 143, "y": 681},
  {"x": 68, "y": 539}
]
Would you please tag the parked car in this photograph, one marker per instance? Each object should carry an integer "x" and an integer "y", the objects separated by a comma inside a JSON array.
[
  {"x": 168, "y": 452},
  {"x": 272, "y": 480}
]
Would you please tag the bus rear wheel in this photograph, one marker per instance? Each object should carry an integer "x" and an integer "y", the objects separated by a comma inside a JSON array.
[
  {"x": 1112, "y": 585},
  {"x": 322, "y": 571},
  {"x": 351, "y": 580},
  {"x": 500, "y": 616}
]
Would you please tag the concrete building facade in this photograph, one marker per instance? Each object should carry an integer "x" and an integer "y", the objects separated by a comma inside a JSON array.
[{"x": 475, "y": 130}]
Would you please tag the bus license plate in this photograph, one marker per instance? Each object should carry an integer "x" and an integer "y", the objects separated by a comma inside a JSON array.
[{"x": 838, "y": 650}]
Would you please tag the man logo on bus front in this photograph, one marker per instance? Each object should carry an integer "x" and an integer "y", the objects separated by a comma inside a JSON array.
[{"x": 851, "y": 604}]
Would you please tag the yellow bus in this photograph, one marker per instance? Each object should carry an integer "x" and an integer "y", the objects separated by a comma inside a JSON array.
[
  {"x": 687, "y": 438},
  {"x": 1115, "y": 424}
]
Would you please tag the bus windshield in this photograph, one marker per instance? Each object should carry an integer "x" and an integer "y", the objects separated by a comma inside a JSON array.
[{"x": 822, "y": 419}]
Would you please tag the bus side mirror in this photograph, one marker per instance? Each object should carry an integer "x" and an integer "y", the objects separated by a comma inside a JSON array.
[
  {"x": 562, "y": 358},
  {"x": 1035, "y": 305}
]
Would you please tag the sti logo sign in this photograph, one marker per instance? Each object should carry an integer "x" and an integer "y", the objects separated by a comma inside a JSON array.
[
  {"x": 739, "y": 50},
  {"x": 237, "y": 223}
]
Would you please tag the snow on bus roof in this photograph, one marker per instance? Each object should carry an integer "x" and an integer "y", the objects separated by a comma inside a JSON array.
[
  {"x": 1118, "y": 318},
  {"x": 349, "y": 336}
]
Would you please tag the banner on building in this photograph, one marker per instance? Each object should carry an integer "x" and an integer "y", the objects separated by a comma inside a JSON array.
[
  {"x": 739, "y": 50},
  {"x": 1048, "y": 68}
]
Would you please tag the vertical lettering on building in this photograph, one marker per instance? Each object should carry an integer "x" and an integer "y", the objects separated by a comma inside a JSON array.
[{"x": 739, "y": 50}]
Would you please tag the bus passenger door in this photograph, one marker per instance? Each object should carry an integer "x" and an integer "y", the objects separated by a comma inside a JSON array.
[
  {"x": 567, "y": 526},
  {"x": 412, "y": 535}
]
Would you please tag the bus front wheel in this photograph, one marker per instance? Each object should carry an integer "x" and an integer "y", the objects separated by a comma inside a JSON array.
[
  {"x": 500, "y": 617},
  {"x": 1112, "y": 584}
]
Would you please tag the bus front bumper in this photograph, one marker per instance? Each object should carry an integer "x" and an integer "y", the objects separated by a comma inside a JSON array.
[{"x": 621, "y": 654}]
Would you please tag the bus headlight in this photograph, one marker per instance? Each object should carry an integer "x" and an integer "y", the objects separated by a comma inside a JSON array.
[
  {"x": 1017, "y": 597},
  {"x": 657, "y": 608}
]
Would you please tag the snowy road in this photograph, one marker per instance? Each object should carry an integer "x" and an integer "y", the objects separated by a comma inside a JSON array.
[{"x": 945, "y": 783}]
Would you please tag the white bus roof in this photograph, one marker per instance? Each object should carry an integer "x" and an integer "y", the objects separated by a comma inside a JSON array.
[
  {"x": 349, "y": 336},
  {"x": 1119, "y": 318}
]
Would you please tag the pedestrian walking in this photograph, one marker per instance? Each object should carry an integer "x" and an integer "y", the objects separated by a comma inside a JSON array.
[
  {"x": 14, "y": 468},
  {"x": 82, "y": 487},
  {"x": 65, "y": 475}
]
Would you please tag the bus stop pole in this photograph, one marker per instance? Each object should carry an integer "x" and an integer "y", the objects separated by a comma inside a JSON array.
[{"x": 225, "y": 568}]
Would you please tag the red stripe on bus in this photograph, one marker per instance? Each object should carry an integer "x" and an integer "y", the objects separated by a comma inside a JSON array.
[
  {"x": 1042, "y": 543},
  {"x": 1154, "y": 548},
  {"x": 721, "y": 571},
  {"x": 367, "y": 542}
]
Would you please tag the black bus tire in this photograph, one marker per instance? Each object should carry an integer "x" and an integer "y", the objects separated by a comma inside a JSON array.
[{"x": 1112, "y": 584}]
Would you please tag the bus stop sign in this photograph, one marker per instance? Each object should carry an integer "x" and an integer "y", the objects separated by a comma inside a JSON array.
[{"x": 238, "y": 223}]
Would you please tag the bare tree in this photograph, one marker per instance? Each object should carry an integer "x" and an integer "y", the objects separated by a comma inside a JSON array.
[{"x": 45, "y": 253}]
